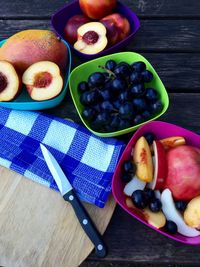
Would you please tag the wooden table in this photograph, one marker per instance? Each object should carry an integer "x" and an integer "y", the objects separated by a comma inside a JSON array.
[{"x": 170, "y": 38}]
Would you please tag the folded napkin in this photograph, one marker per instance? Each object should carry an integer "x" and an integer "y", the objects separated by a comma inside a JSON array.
[{"x": 87, "y": 160}]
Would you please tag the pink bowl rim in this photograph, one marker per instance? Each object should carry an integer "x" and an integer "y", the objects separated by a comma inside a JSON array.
[{"x": 128, "y": 210}]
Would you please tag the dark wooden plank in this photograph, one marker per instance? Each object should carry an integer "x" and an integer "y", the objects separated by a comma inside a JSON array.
[
  {"x": 162, "y": 35},
  {"x": 144, "y": 8},
  {"x": 132, "y": 243}
]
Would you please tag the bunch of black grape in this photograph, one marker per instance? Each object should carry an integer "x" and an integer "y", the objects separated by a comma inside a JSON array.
[{"x": 119, "y": 98}]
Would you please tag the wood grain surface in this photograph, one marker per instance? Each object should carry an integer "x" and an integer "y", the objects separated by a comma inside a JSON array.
[
  {"x": 39, "y": 229},
  {"x": 169, "y": 38},
  {"x": 144, "y": 8}
]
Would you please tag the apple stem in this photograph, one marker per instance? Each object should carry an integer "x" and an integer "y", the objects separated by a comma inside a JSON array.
[{"x": 108, "y": 71}]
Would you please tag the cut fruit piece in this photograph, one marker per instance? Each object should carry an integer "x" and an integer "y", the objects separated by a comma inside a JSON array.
[
  {"x": 133, "y": 185},
  {"x": 156, "y": 219},
  {"x": 143, "y": 160},
  {"x": 137, "y": 212},
  {"x": 72, "y": 26},
  {"x": 173, "y": 141},
  {"x": 192, "y": 213},
  {"x": 173, "y": 214},
  {"x": 160, "y": 166},
  {"x": 43, "y": 80},
  {"x": 91, "y": 38},
  {"x": 10, "y": 83},
  {"x": 157, "y": 194}
]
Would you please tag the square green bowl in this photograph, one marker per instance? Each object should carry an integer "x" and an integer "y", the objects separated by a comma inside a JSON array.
[{"x": 83, "y": 71}]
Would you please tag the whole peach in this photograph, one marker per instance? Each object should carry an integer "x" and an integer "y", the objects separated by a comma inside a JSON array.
[
  {"x": 97, "y": 9},
  {"x": 183, "y": 177},
  {"x": 118, "y": 27},
  {"x": 72, "y": 26}
]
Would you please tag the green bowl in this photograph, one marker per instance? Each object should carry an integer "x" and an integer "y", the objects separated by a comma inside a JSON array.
[{"x": 82, "y": 72}]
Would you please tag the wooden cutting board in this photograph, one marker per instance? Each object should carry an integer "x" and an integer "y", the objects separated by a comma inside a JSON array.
[{"x": 38, "y": 228}]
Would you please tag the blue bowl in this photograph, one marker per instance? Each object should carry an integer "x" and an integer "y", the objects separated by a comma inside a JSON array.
[{"x": 25, "y": 102}]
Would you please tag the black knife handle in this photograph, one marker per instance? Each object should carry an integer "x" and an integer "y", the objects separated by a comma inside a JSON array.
[{"x": 87, "y": 224}]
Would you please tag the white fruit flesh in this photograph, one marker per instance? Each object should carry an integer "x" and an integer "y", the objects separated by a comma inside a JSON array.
[
  {"x": 93, "y": 48},
  {"x": 133, "y": 185},
  {"x": 173, "y": 214},
  {"x": 160, "y": 167},
  {"x": 157, "y": 194},
  {"x": 13, "y": 83},
  {"x": 40, "y": 93}
]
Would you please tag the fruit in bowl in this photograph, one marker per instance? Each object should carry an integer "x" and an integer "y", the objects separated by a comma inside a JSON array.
[
  {"x": 146, "y": 199},
  {"x": 117, "y": 26},
  {"x": 72, "y": 26},
  {"x": 96, "y": 9},
  {"x": 182, "y": 219},
  {"x": 118, "y": 97},
  {"x": 184, "y": 172},
  {"x": 91, "y": 38},
  {"x": 43, "y": 80},
  {"x": 30, "y": 46},
  {"x": 10, "y": 82}
]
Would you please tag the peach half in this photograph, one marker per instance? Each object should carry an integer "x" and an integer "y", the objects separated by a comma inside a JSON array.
[
  {"x": 43, "y": 80},
  {"x": 91, "y": 38},
  {"x": 10, "y": 83}
]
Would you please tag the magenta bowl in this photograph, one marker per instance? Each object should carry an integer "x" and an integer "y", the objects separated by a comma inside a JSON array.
[
  {"x": 161, "y": 130},
  {"x": 60, "y": 18}
]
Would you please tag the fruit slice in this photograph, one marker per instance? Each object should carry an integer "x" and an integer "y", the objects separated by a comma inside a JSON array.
[
  {"x": 157, "y": 219},
  {"x": 160, "y": 166},
  {"x": 157, "y": 194},
  {"x": 72, "y": 26},
  {"x": 91, "y": 38},
  {"x": 43, "y": 80},
  {"x": 173, "y": 214},
  {"x": 173, "y": 141},
  {"x": 10, "y": 84},
  {"x": 133, "y": 185},
  {"x": 143, "y": 160},
  {"x": 136, "y": 211},
  {"x": 192, "y": 213}
]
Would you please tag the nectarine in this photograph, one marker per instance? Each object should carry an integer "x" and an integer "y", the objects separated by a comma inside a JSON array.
[
  {"x": 72, "y": 26},
  {"x": 10, "y": 82},
  {"x": 143, "y": 160},
  {"x": 91, "y": 38},
  {"x": 118, "y": 27},
  {"x": 97, "y": 9},
  {"x": 43, "y": 80}
]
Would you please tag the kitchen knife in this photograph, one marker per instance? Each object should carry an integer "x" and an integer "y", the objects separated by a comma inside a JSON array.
[{"x": 70, "y": 196}]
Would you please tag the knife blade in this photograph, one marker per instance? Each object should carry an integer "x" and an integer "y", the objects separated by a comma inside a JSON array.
[{"x": 69, "y": 195}]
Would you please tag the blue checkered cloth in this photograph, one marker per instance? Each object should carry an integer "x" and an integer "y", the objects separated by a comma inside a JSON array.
[{"x": 87, "y": 160}]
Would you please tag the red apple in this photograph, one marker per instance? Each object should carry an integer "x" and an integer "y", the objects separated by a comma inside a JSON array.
[
  {"x": 118, "y": 27},
  {"x": 97, "y": 9},
  {"x": 72, "y": 26},
  {"x": 160, "y": 166},
  {"x": 183, "y": 177}
]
